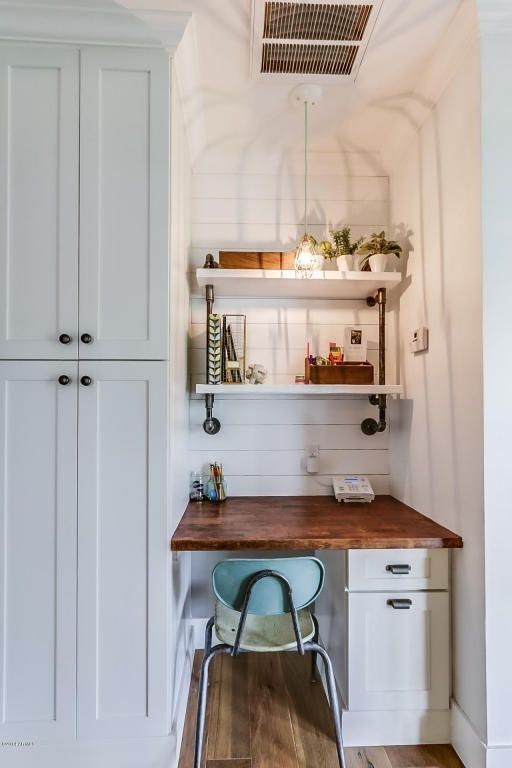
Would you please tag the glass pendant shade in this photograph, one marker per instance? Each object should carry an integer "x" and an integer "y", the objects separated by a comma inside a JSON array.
[{"x": 307, "y": 260}]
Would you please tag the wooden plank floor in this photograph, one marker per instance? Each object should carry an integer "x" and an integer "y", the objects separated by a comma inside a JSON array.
[{"x": 263, "y": 712}]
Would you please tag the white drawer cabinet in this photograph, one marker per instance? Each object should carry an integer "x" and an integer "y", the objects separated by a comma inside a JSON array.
[
  {"x": 385, "y": 619},
  {"x": 391, "y": 569},
  {"x": 398, "y": 650}
]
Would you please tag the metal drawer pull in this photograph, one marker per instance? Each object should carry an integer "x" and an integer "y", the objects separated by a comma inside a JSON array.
[
  {"x": 399, "y": 569},
  {"x": 400, "y": 605}
]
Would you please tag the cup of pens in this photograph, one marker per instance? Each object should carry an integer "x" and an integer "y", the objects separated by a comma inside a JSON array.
[{"x": 216, "y": 487}]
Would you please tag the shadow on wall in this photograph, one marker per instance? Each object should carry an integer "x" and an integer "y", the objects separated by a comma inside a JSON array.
[{"x": 424, "y": 255}]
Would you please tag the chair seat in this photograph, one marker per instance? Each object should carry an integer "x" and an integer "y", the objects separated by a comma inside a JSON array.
[{"x": 262, "y": 633}]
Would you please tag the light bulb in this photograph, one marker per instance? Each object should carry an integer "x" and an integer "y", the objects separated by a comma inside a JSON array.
[{"x": 307, "y": 260}]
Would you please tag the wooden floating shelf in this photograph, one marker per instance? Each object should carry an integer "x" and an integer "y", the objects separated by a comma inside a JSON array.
[
  {"x": 303, "y": 390},
  {"x": 275, "y": 283}
]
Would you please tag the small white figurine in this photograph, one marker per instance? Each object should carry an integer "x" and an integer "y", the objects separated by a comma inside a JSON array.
[{"x": 256, "y": 373}]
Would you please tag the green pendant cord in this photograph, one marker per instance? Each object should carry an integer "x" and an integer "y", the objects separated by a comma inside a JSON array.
[{"x": 305, "y": 166}]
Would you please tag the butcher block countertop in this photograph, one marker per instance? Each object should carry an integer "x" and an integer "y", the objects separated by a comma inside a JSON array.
[{"x": 305, "y": 523}]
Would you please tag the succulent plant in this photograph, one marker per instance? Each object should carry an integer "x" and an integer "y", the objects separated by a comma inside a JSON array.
[{"x": 342, "y": 244}]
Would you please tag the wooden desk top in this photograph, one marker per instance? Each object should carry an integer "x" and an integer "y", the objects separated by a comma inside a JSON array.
[{"x": 307, "y": 522}]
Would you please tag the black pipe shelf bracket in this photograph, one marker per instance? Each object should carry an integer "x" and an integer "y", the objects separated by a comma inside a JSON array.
[
  {"x": 211, "y": 425},
  {"x": 372, "y": 426}
]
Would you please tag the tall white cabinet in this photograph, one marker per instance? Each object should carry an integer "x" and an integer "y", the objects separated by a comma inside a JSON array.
[
  {"x": 84, "y": 178},
  {"x": 39, "y": 168},
  {"x": 122, "y": 546},
  {"x": 88, "y": 125},
  {"x": 124, "y": 209},
  {"x": 38, "y": 535}
]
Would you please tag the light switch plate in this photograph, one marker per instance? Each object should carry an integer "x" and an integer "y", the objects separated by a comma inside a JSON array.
[{"x": 419, "y": 340}]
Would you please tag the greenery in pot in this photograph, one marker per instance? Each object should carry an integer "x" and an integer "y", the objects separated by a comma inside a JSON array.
[
  {"x": 343, "y": 245},
  {"x": 378, "y": 243}
]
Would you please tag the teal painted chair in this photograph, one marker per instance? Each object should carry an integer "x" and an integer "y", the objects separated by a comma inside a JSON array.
[{"x": 262, "y": 606}]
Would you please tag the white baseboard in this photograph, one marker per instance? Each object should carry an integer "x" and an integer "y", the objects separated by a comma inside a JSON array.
[
  {"x": 382, "y": 728},
  {"x": 182, "y": 693},
  {"x": 499, "y": 757},
  {"x": 199, "y": 628},
  {"x": 466, "y": 742}
]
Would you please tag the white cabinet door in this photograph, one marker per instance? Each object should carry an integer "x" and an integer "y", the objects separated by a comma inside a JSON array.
[
  {"x": 122, "y": 549},
  {"x": 38, "y": 529},
  {"x": 39, "y": 100},
  {"x": 124, "y": 203},
  {"x": 399, "y": 651}
]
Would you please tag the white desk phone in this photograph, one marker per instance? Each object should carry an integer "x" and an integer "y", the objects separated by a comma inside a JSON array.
[{"x": 354, "y": 488}]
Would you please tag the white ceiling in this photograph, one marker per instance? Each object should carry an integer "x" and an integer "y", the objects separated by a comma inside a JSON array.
[{"x": 227, "y": 111}]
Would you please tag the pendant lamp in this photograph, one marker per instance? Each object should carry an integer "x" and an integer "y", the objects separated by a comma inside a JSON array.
[{"x": 307, "y": 256}]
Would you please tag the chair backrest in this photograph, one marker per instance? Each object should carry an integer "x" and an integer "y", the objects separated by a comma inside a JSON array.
[{"x": 269, "y": 596}]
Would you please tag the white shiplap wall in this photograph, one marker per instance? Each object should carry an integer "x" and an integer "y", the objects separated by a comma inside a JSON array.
[{"x": 262, "y": 442}]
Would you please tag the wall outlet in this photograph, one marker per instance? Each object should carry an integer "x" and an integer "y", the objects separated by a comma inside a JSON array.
[
  {"x": 310, "y": 462},
  {"x": 419, "y": 340}
]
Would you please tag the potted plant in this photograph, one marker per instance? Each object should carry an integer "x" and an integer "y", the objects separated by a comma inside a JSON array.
[
  {"x": 375, "y": 251},
  {"x": 343, "y": 250}
]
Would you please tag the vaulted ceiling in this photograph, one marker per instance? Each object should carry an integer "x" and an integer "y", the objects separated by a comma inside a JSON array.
[{"x": 227, "y": 110}]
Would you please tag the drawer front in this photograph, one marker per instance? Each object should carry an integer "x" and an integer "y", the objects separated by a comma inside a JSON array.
[
  {"x": 375, "y": 570},
  {"x": 398, "y": 651}
]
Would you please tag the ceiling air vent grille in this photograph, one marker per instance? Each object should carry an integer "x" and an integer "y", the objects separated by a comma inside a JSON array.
[
  {"x": 317, "y": 38},
  {"x": 305, "y": 59},
  {"x": 315, "y": 21}
]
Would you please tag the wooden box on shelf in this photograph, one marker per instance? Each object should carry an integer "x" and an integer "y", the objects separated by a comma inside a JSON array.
[
  {"x": 256, "y": 259},
  {"x": 343, "y": 373}
]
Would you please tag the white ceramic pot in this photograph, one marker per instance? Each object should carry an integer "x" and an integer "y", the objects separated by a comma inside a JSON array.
[
  {"x": 346, "y": 263},
  {"x": 378, "y": 262}
]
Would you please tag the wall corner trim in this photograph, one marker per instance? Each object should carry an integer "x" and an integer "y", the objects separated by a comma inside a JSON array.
[
  {"x": 465, "y": 740},
  {"x": 21, "y": 20}
]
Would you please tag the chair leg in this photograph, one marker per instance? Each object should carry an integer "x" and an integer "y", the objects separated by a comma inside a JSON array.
[
  {"x": 208, "y": 636},
  {"x": 333, "y": 700},
  {"x": 202, "y": 696},
  {"x": 314, "y": 654}
]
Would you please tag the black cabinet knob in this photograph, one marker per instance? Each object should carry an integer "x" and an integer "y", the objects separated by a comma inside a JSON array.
[
  {"x": 86, "y": 381},
  {"x": 64, "y": 379},
  {"x": 65, "y": 338},
  {"x": 86, "y": 338}
]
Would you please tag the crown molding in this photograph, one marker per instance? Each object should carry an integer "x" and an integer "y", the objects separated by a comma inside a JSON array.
[
  {"x": 87, "y": 25},
  {"x": 495, "y": 16}
]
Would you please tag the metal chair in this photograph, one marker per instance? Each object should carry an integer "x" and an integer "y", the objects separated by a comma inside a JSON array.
[{"x": 262, "y": 606}]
